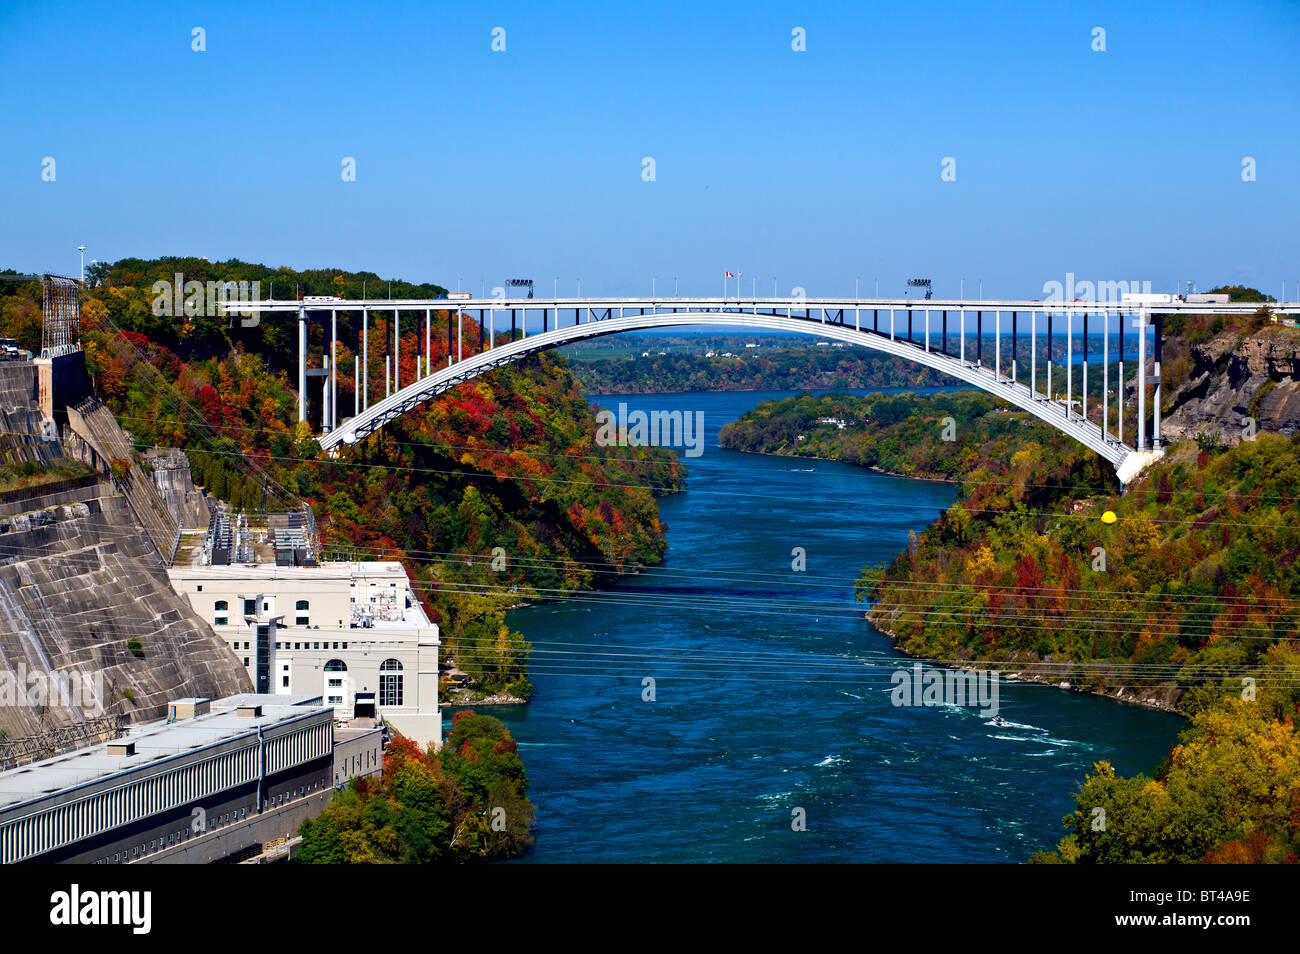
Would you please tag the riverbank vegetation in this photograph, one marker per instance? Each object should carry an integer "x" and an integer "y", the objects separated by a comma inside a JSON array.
[{"x": 467, "y": 802}]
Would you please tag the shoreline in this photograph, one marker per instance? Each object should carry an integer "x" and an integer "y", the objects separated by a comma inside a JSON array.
[
  {"x": 1155, "y": 698},
  {"x": 1023, "y": 672}
]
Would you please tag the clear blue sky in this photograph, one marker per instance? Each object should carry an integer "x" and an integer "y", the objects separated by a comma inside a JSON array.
[{"x": 814, "y": 167}]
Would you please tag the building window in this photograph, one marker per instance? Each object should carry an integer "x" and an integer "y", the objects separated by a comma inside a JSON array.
[
  {"x": 390, "y": 683},
  {"x": 220, "y": 620},
  {"x": 302, "y": 605},
  {"x": 245, "y": 660},
  {"x": 336, "y": 665},
  {"x": 250, "y": 607},
  {"x": 301, "y": 621},
  {"x": 284, "y": 682},
  {"x": 221, "y": 606},
  {"x": 336, "y": 700}
]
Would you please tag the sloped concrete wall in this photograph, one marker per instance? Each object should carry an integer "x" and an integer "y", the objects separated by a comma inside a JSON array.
[
  {"x": 94, "y": 424},
  {"x": 77, "y": 583},
  {"x": 17, "y": 385},
  {"x": 171, "y": 473}
]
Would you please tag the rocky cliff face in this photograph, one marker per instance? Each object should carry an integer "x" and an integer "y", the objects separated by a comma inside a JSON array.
[{"x": 1234, "y": 379}]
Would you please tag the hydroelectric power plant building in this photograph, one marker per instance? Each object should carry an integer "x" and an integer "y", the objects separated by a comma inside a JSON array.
[
  {"x": 353, "y": 633},
  {"x": 228, "y": 780}
]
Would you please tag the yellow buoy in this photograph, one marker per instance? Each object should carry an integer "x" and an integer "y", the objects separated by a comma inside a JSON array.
[{"x": 1108, "y": 517}]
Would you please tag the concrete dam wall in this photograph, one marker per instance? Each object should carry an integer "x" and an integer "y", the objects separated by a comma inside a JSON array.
[{"x": 89, "y": 623}]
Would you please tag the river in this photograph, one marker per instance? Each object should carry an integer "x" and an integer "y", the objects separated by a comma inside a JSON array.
[{"x": 771, "y": 693}]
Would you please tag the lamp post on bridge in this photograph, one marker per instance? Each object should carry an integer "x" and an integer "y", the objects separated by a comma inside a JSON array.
[{"x": 82, "y": 250}]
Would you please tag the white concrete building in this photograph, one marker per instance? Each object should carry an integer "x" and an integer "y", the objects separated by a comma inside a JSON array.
[{"x": 354, "y": 633}]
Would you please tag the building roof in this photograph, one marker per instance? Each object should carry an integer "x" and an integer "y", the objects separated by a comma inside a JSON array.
[
  {"x": 154, "y": 741},
  {"x": 339, "y": 570}
]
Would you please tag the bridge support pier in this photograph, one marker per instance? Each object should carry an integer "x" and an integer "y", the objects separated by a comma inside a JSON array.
[
  {"x": 1015, "y": 344},
  {"x": 1157, "y": 340},
  {"x": 1069, "y": 364},
  {"x": 1105, "y": 377},
  {"x": 1119, "y": 388},
  {"x": 1049, "y": 356},
  {"x": 302, "y": 365},
  {"x": 1083, "y": 390},
  {"x": 1142, "y": 381},
  {"x": 997, "y": 345},
  {"x": 1034, "y": 355},
  {"x": 334, "y": 374}
]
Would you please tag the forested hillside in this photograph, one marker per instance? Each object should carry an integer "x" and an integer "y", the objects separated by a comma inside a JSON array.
[
  {"x": 766, "y": 369},
  {"x": 507, "y": 461}
]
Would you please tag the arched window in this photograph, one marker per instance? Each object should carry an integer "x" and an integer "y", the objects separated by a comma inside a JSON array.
[
  {"x": 390, "y": 683},
  {"x": 221, "y": 606},
  {"x": 302, "y": 605},
  {"x": 336, "y": 665}
]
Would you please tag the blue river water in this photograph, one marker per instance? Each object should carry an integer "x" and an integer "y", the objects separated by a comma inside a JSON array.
[{"x": 771, "y": 693}]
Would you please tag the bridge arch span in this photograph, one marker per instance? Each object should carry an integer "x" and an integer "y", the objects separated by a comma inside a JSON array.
[{"x": 1126, "y": 461}]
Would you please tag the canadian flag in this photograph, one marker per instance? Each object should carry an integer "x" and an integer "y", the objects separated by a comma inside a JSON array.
[{"x": 728, "y": 275}]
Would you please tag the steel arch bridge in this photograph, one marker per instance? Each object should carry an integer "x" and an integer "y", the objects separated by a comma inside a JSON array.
[{"x": 887, "y": 326}]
